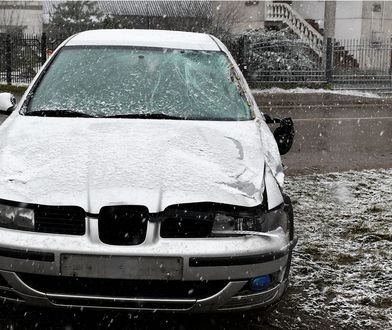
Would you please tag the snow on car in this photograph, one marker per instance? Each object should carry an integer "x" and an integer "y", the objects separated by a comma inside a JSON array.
[{"x": 137, "y": 172}]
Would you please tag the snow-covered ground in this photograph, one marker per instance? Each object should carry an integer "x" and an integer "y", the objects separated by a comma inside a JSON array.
[
  {"x": 298, "y": 90},
  {"x": 342, "y": 265}
]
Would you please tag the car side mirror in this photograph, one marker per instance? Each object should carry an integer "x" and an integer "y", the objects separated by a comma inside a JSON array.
[
  {"x": 283, "y": 134},
  {"x": 7, "y": 102}
]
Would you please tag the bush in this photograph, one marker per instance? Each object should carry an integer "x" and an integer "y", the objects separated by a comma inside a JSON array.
[{"x": 270, "y": 50}]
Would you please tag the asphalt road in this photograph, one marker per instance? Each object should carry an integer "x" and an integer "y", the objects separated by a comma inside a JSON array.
[{"x": 337, "y": 133}]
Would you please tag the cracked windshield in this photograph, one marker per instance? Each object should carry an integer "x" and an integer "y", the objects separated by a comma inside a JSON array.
[
  {"x": 119, "y": 82},
  {"x": 196, "y": 164}
]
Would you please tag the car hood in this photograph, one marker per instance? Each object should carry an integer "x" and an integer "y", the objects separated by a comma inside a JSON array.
[{"x": 93, "y": 162}]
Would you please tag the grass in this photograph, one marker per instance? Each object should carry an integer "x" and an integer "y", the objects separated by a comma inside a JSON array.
[
  {"x": 383, "y": 302},
  {"x": 359, "y": 229},
  {"x": 378, "y": 302},
  {"x": 384, "y": 237},
  {"x": 345, "y": 259},
  {"x": 375, "y": 209},
  {"x": 313, "y": 251},
  {"x": 12, "y": 89}
]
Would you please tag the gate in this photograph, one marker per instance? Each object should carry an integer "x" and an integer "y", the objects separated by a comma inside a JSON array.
[
  {"x": 21, "y": 57},
  {"x": 362, "y": 63}
]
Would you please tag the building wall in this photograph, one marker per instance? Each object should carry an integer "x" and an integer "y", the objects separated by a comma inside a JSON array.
[
  {"x": 377, "y": 19},
  {"x": 376, "y": 27},
  {"x": 354, "y": 19},
  {"x": 27, "y": 15},
  {"x": 348, "y": 19}
]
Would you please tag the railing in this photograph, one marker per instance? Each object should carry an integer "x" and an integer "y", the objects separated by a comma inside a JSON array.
[
  {"x": 362, "y": 62},
  {"x": 282, "y": 12},
  {"x": 349, "y": 64}
]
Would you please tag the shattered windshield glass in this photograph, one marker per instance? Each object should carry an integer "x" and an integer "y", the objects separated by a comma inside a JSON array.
[{"x": 141, "y": 83}]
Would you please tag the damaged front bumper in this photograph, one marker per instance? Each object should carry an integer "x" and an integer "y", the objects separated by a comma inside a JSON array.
[{"x": 176, "y": 274}]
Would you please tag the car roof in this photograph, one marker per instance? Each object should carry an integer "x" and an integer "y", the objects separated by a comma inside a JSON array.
[{"x": 145, "y": 38}]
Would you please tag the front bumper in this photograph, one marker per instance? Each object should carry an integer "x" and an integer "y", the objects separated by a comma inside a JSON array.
[{"x": 231, "y": 260}]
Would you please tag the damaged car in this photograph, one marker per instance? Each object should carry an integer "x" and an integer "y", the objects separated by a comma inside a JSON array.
[{"x": 138, "y": 173}]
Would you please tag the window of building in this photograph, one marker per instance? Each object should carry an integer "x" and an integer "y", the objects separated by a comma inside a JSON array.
[
  {"x": 251, "y": 3},
  {"x": 376, "y": 7}
]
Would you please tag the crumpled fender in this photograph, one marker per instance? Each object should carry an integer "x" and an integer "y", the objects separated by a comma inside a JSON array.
[{"x": 273, "y": 169}]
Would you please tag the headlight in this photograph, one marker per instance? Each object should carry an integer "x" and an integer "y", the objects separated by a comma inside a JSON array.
[
  {"x": 16, "y": 217},
  {"x": 262, "y": 222}
]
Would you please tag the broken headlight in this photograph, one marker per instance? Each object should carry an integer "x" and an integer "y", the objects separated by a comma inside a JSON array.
[
  {"x": 261, "y": 222},
  {"x": 16, "y": 217}
]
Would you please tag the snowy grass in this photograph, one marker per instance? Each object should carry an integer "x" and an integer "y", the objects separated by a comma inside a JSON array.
[
  {"x": 342, "y": 269},
  {"x": 298, "y": 90},
  {"x": 17, "y": 89}
]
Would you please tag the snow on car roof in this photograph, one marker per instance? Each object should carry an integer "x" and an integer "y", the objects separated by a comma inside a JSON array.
[{"x": 145, "y": 38}]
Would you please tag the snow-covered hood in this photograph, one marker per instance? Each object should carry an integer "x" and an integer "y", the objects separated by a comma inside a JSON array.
[{"x": 92, "y": 163}]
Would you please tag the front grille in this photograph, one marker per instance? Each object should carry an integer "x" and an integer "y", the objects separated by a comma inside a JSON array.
[
  {"x": 60, "y": 220},
  {"x": 159, "y": 289},
  {"x": 187, "y": 220},
  {"x": 123, "y": 225},
  {"x": 10, "y": 295},
  {"x": 4, "y": 283},
  {"x": 118, "y": 303},
  {"x": 185, "y": 227}
]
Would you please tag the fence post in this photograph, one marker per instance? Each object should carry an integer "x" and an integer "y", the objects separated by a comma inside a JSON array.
[
  {"x": 328, "y": 61},
  {"x": 243, "y": 56},
  {"x": 43, "y": 48},
  {"x": 240, "y": 47},
  {"x": 8, "y": 67}
]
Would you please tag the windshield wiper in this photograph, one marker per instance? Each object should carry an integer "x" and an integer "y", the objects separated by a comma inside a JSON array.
[
  {"x": 147, "y": 116},
  {"x": 58, "y": 113}
]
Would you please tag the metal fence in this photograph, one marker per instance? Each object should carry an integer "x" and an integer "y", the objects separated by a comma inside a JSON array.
[
  {"x": 21, "y": 56},
  {"x": 365, "y": 64},
  {"x": 359, "y": 64}
]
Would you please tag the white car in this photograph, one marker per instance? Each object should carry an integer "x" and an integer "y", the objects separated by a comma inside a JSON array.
[{"x": 137, "y": 172}]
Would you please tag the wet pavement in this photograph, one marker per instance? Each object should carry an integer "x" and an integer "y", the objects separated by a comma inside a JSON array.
[{"x": 334, "y": 132}]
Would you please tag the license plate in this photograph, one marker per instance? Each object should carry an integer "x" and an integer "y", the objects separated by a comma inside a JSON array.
[{"x": 149, "y": 268}]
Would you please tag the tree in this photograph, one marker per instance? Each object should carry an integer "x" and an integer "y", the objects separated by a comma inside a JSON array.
[
  {"x": 71, "y": 17},
  {"x": 217, "y": 18},
  {"x": 224, "y": 18},
  {"x": 182, "y": 15}
]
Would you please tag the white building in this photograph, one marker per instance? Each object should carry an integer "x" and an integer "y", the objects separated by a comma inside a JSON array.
[
  {"x": 353, "y": 19},
  {"x": 21, "y": 16}
]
